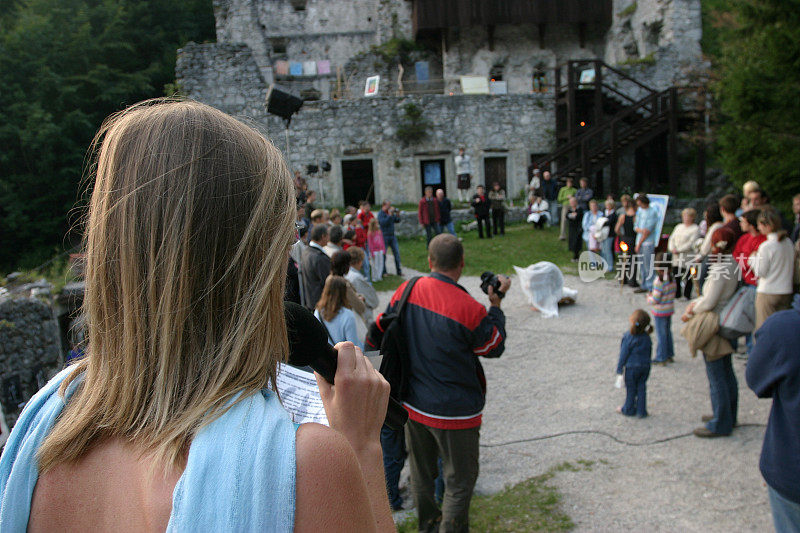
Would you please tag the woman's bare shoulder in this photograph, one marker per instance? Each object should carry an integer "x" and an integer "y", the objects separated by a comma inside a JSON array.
[{"x": 331, "y": 492}]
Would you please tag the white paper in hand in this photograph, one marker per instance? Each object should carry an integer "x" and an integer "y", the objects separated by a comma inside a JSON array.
[
  {"x": 300, "y": 395},
  {"x": 620, "y": 380}
]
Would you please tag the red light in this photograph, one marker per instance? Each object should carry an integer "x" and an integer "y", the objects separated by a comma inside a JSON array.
[
  {"x": 493, "y": 79},
  {"x": 582, "y": 123}
]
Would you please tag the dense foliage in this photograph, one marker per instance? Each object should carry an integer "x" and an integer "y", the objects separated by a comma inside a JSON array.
[
  {"x": 64, "y": 66},
  {"x": 759, "y": 93}
]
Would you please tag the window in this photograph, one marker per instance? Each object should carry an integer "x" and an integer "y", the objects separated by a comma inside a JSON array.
[{"x": 278, "y": 46}]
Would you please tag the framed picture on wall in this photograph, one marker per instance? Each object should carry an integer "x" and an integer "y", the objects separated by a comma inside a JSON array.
[{"x": 371, "y": 88}]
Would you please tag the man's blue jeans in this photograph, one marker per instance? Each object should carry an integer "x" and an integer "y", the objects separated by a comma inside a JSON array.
[
  {"x": 636, "y": 389},
  {"x": 607, "y": 252},
  {"x": 785, "y": 513},
  {"x": 665, "y": 349},
  {"x": 646, "y": 251},
  {"x": 724, "y": 390},
  {"x": 393, "y": 444},
  {"x": 391, "y": 242},
  {"x": 450, "y": 227}
]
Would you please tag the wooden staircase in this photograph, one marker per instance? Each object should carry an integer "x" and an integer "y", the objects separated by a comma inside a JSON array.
[{"x": 602, "y": 112}]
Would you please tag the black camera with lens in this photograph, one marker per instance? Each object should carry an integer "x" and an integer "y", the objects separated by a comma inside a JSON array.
[{"x": 489, "y": 279}]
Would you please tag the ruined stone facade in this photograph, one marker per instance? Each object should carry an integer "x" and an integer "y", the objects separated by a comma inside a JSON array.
[
  {"x": 30, "y": 351},
  {"x": 657, "y": 40}
]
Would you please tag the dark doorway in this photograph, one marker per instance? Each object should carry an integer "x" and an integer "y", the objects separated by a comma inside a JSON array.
[
  {"x": 432, "y": 175},
  {"x": 494, "y": 170},
  {"x": 358, "y": 181},
  {"x": 652, "y": 166}
]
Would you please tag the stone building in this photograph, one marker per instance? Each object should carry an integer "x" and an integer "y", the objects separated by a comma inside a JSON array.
[{"x": 391, "y": 144}]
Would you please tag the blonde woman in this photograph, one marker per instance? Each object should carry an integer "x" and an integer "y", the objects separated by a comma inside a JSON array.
[
  {"x": 773, "y": 265},
  {"x": 748, "y": 188},
  {"x": 332, "y": 310},
  {"x": 680, "y": 245},
  {"x": 170, "y": 421}
]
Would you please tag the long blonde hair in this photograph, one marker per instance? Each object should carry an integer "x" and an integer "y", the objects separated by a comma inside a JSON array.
[
  {"x": 333, "y": 297},
  {"x": 188, "y": 228}
]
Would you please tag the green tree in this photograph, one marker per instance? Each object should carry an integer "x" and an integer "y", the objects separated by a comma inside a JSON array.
[
  {"x": 64, "y": 66},
  {"x": 759, "y": 92}
]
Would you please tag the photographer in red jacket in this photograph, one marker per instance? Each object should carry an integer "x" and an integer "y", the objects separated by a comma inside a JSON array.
[{"x": 446, "y": 330}]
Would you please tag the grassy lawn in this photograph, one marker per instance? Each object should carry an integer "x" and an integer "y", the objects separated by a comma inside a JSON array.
[
  {"x": 388, "y": 283},
  {"x": 522, "y": 245},
  {"x": 532, "y": 505}
]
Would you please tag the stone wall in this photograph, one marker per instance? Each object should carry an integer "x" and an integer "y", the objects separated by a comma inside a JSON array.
[
  {"x": 310, "y": 30},
  {"x": 517, "y": 50},
  {"x": 511, "y": 126},
  {"x": 409, "y": 225},
  {"x": 206, "y": 72},
  {"x": 657, "y": 40},
  {"x": 30, "y": 351},
  {"x": 234, "y": 75}
]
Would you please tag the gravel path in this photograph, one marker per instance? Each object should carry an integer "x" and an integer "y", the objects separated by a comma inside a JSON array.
[{"x": 557, "y": 376}]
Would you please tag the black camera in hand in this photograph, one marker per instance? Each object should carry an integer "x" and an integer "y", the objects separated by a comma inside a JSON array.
[{"x": 489, "y": 279}]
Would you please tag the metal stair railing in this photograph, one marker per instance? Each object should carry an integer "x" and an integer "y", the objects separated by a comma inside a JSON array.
[{"x": 651, "y": 115}]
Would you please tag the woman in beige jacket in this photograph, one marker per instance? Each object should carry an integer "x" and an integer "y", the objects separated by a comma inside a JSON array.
[{"x": 702, "y": 315}]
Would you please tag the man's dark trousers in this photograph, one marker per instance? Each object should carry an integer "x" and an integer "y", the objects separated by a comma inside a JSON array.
[
  {"x": 459, "y": 451},
  {"x": 484, "y": 220},
  {"x": 431, "y": 231},
  {"x": 394, "y": 457}
]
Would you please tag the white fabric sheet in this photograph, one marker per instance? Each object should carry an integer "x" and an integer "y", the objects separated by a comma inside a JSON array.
[{"x": 543, "y": 284}]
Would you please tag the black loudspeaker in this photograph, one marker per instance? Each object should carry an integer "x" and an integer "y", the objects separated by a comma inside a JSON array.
[
  {"x": 312, "y": 169},
  {"x": 326, "y": 167},
  {"x": 282, "y": 103}
]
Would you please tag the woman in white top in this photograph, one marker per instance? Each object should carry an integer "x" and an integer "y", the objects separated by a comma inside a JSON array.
[
  {"x": 538, "y": 211},
  {"x": 332, "y": 311},
  {"x": 773, "y": 265},
  {"x": 680, "y": 245}
]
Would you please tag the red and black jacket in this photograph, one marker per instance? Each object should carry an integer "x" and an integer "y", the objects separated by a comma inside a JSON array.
[{"x": 446, "y": 330}]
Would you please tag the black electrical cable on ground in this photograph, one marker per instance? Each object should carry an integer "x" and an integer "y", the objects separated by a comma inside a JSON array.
[{"x": 603, "y": 433}]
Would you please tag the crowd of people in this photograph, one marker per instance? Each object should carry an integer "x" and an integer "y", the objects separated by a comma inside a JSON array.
[
  {"x": 185, "y": 333},
  {"x": 737, "y": 267},
  {"x": 335, "y": 261},
  {"x": 740, "y": 270}
]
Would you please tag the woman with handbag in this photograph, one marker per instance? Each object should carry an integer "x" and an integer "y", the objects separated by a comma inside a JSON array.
[{"x": 702, "y": 328}]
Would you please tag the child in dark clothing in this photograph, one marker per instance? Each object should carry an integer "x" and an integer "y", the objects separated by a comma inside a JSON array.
[{"x": 634, "y": 359}]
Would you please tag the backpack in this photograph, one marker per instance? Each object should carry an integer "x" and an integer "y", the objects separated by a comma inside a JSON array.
[{"x": 386, "y": 334}]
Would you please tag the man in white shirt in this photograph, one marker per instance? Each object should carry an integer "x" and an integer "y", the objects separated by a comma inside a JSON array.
[
  {"x": 335, "y": 236},
  {"x": 463, "y": 173},
  {"x": 360, "y": 283}
]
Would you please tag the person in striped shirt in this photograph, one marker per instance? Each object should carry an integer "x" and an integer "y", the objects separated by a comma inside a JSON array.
[{"x": 662, "y": 301}]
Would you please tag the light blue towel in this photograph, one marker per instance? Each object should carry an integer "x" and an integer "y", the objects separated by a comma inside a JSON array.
[{"x": 240, "y": 474}]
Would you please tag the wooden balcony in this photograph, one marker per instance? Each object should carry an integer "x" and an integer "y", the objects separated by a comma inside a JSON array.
[{"x": 441, "y": 14}]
